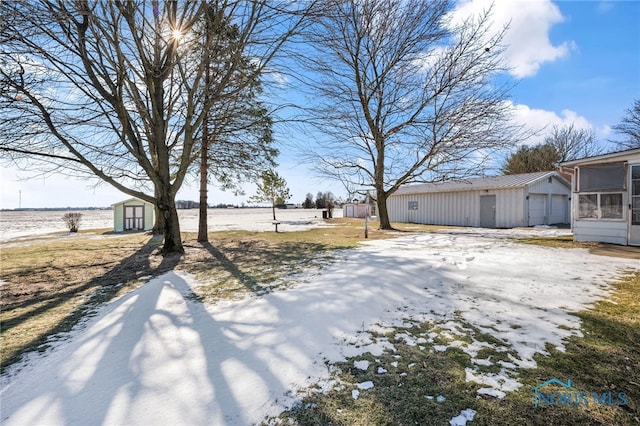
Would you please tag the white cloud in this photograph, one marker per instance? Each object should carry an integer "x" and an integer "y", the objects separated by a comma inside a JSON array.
[
  {"x": 539, "y": 121},
  {"x": 604, "y": 6},
  {"x": 527, "y": 39}
]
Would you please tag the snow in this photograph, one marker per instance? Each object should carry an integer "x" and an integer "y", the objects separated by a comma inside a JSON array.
[
  {"x": 491, "y": 392},
  {"x": 157, "y": 356},
  {"x": 500, "y": 381},
  {"x": 20, "y": 224},
  {"x": 361, "y": 365},
  {"x": 365, "y": 385},
  {"x": 464, "y": 417}
]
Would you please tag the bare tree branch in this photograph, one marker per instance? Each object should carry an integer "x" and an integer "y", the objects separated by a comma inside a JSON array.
[
  {"x": 402, "y": 94},
  {"x": 629, "y": 127},
  {"x": 110, "y": 85}
]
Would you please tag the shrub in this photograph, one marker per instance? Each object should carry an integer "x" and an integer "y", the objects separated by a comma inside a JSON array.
[{"x": 73, "y": 221}]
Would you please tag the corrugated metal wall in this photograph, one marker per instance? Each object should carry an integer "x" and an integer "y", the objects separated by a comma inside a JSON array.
[
  {"x": 544, "y": 187},
  {"x": 458, "y": 208}
]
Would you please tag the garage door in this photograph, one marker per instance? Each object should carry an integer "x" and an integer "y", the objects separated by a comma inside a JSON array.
[
  {"x": 537, "y": 209},
  {"x": 559, "y": 209}
]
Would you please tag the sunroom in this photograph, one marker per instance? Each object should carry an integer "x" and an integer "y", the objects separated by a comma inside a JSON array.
[{"x": 606, "y": 197}]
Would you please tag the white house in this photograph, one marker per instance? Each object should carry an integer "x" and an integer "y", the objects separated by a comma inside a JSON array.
[
  {"x": 133, "y": 215},
  {"x": 509, "y": 201},
  {"x": 606, "y": 197}
]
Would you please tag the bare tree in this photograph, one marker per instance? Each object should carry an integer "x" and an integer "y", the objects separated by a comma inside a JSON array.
[
  {"x": 629, "y": 127},
  {"x": 571, "y": 143},
  {"x": 404, "y": 94},
  {"x": 113, "y": 89}
]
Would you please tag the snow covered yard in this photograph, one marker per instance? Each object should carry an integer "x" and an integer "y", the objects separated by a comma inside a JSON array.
[{"x": 157, "y": 356}]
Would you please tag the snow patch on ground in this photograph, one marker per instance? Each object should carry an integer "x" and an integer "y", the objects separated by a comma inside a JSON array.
[
  {"x": 361, "y": 365},
  {"x": 464, "y": 417},
  {"x": 365, "y": 385},
  {"x": 157, "y": 356},
  {"x": 491, "y": 392}
]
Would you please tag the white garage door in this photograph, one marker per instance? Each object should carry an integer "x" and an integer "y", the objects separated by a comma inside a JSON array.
[
  {"x": 559, "y": 209},
  {"x": 537, "y": 209}
]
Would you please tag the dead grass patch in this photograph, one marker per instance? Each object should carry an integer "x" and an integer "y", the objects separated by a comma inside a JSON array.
[
  {"x": 600, "y": 249},
  {"x": 561, "y": 241}
]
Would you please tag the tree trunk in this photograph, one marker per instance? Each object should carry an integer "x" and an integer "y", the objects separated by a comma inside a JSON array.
[
  {"x": 171, "y": 230},
  {"x": 383, "y": 214},
  {"x": 158, "y": 226},
  {"x": 273, "y": 209},
  {"x": 203, "y": 228}
]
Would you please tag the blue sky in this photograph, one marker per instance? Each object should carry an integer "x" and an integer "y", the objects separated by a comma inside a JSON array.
[{"x": 572, "y": 61}]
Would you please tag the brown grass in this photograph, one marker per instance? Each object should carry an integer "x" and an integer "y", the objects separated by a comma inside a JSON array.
[{"x": 52, "y": 283}]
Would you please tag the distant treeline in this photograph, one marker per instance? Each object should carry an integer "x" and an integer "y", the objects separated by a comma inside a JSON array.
[
  {"x": 55, "y": 209},
  {"x": 188, "y": 204}
]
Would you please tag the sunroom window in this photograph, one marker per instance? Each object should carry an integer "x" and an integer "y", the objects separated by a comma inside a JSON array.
[
  {"x": 602, "y": 177},
  {"x": 600, "y": 191},
  {"x": 600, "y": 206}
]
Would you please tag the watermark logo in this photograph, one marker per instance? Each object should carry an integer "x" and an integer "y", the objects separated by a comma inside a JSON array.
[{"x": 571, "y": 396}]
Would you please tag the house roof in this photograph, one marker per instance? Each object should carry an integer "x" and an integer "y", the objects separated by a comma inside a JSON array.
[
  {"x": 493, "y": 182},
  {"x": 618, "y": 155}
]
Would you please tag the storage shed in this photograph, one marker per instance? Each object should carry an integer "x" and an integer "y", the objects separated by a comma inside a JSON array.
[
  {"x": 509, "y": 201},
  {"x": 606, "y": 197},
  {"x": 133, "y": 215},
  {"x": 358, "y": 210}
]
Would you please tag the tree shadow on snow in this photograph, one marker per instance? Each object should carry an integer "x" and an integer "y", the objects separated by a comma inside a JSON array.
[
  {"x": 103, "y": 288},
  {"x": 155, "y": 356}
]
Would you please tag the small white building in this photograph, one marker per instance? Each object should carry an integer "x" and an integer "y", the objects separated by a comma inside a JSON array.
[
  {"x": 508, "y": 201},
  {"x": 606, "y": 197},
  {"x": 133, "y": 215},
  {"x": 358, "y": 210}
]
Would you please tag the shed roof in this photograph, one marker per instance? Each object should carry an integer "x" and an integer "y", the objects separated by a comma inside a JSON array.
[
  {"x": 492, "y": 182},
  {"x": 129, "y": 200}
]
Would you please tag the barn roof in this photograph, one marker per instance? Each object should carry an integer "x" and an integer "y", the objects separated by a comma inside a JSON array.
[{"x": 492, "y": 182}]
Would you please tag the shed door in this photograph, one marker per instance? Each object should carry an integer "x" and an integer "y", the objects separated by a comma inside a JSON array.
[
  {"x": 537, "y": 209},
  {"x": 350, "y": 211},
  {"x": 134, "y": 218},
  {"x": 488, "y": 211},
  {"x": 634, "y": 227},
  {"x": 412, "y": 215},
  {"x": 559, "y": 209}
]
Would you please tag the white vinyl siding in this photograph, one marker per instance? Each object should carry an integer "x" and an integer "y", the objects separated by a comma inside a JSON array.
[{"x": 614, "y": 232}]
